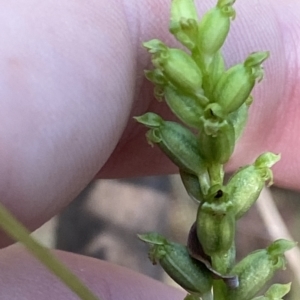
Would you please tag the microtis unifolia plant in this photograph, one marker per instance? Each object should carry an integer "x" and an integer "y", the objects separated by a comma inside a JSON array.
[{"x": 212, "y": 102}]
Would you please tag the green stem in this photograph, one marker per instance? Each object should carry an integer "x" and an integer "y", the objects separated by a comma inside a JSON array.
[
  {"x": 222, "y": 262},
  {"x": 216, "y": 173},
  {"x": 12, "y": 227},
  {"x": 204, "y": 182},
  {"x": 220, "y": 290}
]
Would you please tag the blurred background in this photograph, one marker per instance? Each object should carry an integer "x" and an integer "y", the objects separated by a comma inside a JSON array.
[{"x": 104, "y": 219}]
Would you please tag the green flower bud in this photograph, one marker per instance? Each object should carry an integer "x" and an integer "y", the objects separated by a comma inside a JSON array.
[
  {"x": 183, "y": 24},
  {"x": 245, "y": 185},
  {"x": 174, "y": 258},
  {"x": 186, "y": 107},
  {"x": 255, "y": 270},
  {"x": 236, "y": 84},
  {"x": 216, "y": 224},
  {"x": 217, "y": 147},
  {"x": 178, "y": 67},
  {"x": 280, "y": 246},
  {"x": 214, "y": 27},
  {"x": 176, "y": 141},
  {"x": 275, "y": 292}
]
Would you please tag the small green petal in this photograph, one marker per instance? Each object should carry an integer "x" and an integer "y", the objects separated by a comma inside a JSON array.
[
  {"x": 155, "y": 46},
  {"x": 150, "y": 119},
  {"x": 156, "y": 76},
  {"x": 181, "y": 70},
  {"x": 152, "y": 238},
  {"x": 279, "y": 247},
  {"x": 267, "y": 160}
]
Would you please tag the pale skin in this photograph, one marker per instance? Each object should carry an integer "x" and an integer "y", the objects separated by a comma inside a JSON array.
[{"x": 72, "y": 77}]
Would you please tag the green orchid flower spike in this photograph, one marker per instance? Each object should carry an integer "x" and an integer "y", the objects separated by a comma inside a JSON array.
[{"x": 214, "y": 101}]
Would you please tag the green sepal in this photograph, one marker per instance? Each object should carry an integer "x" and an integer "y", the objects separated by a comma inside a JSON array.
[
  {"x": 217, "y": 145},
  {"x": 214, "y": 27},
  {"x": 235, "y": 85},
  {"x": 216, "y": 223},
  {"x": 255, "y": 270},
  {"x": 155, "y": 240},
  {"x": 186, "y": 107},
  {"x": 151, "y": 120},
  {"x": 275, "y": 292},
  {"x": 183, "y": 23},
  {"x": 239, "y": 118},
  {"x": 267, "y": 160},
  {"x": 280, "y": 246},
  {"x": 152, "y": 238},
  {"x": 192, "y": 185},
  {"x": 174, "y": 258},
  {"x": 245, "y": 186}
]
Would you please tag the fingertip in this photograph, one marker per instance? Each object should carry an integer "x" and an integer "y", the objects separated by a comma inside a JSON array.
[{"x": 22, "y": 277}]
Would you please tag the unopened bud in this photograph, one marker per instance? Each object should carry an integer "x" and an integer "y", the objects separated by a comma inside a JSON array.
[
  {"x": 245, "y": 185},
  {"x": 178, "y": 67},
  {"x": 216, "y": 224},
  {"x": 183, "y": 24},
  {"x": 174, "y": 258},
  {"x": 151, "y": 120},
  {"x": 217, "y": 147},
  {"x": 236, "y": 84},
  {"x": 176, "y": 141},
  {"x": 186, "y": 107},
  {"x": 214, "y": 27}
]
